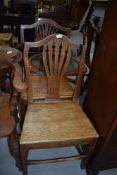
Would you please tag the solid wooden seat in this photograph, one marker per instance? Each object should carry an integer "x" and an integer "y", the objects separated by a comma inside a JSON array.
[
  {"x": 39, "y": 88},
  {"x": 56, "y": 124},
  {"x": 54, "y": 121}
]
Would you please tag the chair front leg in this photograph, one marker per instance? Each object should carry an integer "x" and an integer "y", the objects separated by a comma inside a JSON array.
[
  {"x": 84, "y": 162},
  {"x": 13, "y": 143},
  {"x": 24, "y": 155}
]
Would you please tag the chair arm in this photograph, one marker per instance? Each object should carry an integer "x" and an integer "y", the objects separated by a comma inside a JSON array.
[
  {"x": 73, "y": 72},
  {"x": 18, "y": 84},
  {"x": 86, "y": 70}
]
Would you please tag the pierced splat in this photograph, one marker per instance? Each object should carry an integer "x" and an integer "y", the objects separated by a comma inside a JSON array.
[
  {"x": 56, "y": 57},
  {"x": 43, "y": 30}
]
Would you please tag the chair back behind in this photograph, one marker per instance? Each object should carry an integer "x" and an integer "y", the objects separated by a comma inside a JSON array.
[{"x": 41, "y": 29}]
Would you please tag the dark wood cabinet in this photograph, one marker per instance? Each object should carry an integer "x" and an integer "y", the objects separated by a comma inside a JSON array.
[
  {"x": 101, "y": 101},
  {"x": 78, "y": 9}
]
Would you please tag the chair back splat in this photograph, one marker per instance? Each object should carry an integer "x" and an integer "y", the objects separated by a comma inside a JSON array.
[{"x": 56, "y": 57}]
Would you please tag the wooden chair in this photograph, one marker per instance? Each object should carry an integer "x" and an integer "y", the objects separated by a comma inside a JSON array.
[
  {"x": 90, "y": 31},
  {"x": 8, "y": 107},
  {"x": 55, "y": 121},
  {"x": 41, "y": 29}
]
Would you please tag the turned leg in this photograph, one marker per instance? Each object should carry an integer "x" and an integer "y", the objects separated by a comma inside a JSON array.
[
  {"x": 13, "y": 138},
  {"x": 24, "y": 154},
  {"x": 22, "y": 110},
  {"x": 84, "y": 162},
  {"x": 13, "y": 142}
]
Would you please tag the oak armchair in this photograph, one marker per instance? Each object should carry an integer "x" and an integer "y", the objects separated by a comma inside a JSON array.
[{"x": 8, "y": 106}]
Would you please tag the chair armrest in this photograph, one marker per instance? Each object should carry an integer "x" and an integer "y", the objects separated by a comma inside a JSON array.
[
  {"x": 70, "y": 73},
  {"x": 86, "y": 70},
  {"x": 75, "y": 71},
  {"x": 18, "y": 84}
]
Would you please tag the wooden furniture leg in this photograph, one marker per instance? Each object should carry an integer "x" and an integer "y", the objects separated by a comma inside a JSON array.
[
  {"x": 24, "y": 154},
  {"x": 14, "y": 147}
]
